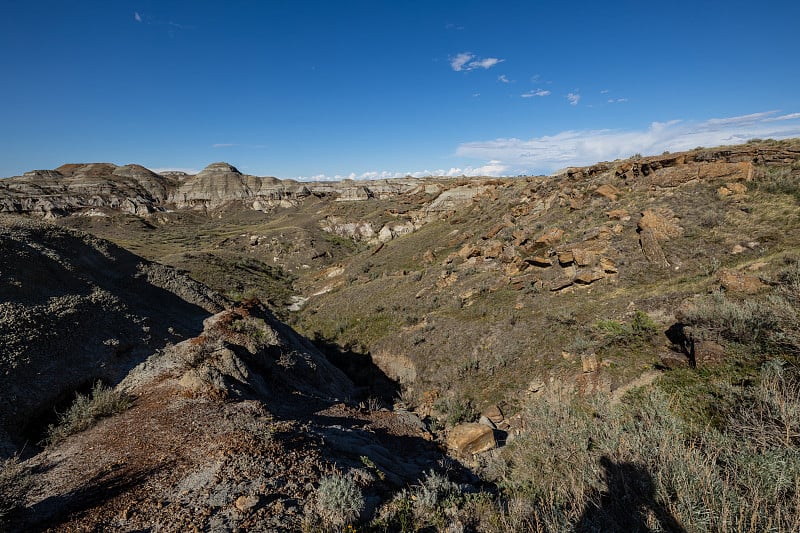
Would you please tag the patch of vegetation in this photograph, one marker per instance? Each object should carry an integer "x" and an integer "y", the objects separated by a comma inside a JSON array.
[
  {"x": 759, "y": 324},
  {"x": 640, "y": 330},
  {"x": 86, "y": 410},
  {"x": 15, "y": 481},
  {"x": 642, "y": 466},
  {"x": 456, "y": 410},
  {"x": 430, "y": 504},
  {"x": 254, "y": 329},
  {"x": 338, "y": 500},
  {"x": 780, "y": 180}
]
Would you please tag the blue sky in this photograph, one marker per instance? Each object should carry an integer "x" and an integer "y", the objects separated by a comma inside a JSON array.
[{"x": 302, "y": 89}]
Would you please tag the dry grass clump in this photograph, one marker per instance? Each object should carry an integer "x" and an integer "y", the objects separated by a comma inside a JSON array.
[
  {"x": 86, "y": 410},
  {"x": 780, "y": 180},
  {"x": 766, "y": 323},
  {"x": 587, "y": 466}
]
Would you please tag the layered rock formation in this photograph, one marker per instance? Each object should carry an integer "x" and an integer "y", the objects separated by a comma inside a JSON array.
[{"x": 134, "y": 189}]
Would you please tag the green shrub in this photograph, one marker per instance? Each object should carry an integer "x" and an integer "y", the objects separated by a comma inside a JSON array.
[
  {"x": 86, "y": 410},
  {"x": 640, "y": 330},
  {"x": 456, "y": 410},
  {"x": 434, "y": 491},
  {"x": 338, "y": 500}
]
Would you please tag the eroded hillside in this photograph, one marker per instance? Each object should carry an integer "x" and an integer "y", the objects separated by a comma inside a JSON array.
[
  {"x": 660, "y": 284},
  {"x": 191, "y": 411}
]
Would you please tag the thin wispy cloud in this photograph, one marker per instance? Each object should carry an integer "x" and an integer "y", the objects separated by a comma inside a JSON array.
[
  {"x": 152, "y": 21},
  {"x": 573, "y": 98},
  {"x": 604, "y": 91},
  {"x": 466, "y": 61},
  {"x": 583, "y": 147},
  {"x": 537, "y": 92},
  {"x": 617, "y": 100},
  {"x": 503, "y": 78},
  {"x": 790, "y": 116},
  {"x": 223, "y": 145}
]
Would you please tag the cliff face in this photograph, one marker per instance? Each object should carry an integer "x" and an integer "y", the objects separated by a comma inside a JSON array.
[{"x": 77, "y": 188}]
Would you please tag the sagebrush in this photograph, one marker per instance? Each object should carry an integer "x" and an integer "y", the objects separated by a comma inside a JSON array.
[{"x": 103, "y": 401}]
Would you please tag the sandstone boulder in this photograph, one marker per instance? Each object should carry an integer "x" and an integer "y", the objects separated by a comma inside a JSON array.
[
  {"x": 733, "y": 281},
  {"x": 608, "y": 265},
  {"x": 618, "y": 214},
  {"x": 566, "y": 257},
  {"x": 708, "y": 352},
  {"x": 469, "y": 250},
  {"x": 551, "y": 237},
  {"x": 662, "y": 222},
  {"x": 590, "y": 363},
  {"x": 584, "y": 258},
  {"x": 589, "y": 277},
  {"x": 539, "y": 261},
  {"x": 471, "y": 439},
  {"x": 607, "y": 191},
  {"x": 492, "y": 249},
  {"x": 494, "y": 414}
]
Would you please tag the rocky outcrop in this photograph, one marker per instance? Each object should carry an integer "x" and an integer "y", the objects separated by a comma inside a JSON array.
[
  {"x": 54, "y": 193},
  {"x": 455, "y": 198},
  {"x": 221, "y": 183}
]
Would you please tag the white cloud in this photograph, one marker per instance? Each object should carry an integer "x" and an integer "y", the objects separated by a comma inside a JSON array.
[
  {"x": 537, "y": 92},
  {"x": 466, "y": 61},
  {"x": 223, "y": 145},
  {"x": 488, "y": 62},
  {"x": 136, "y": 16},
  {"x": 617, "y": 100},
  {"x": 503, "y": 78},
  {"x": 457, "y": 63},
  {"x": 573, "y": 98},
  {"x": 583, "y": 147},
  {"x": 604, "y": 91},
  {"x": 490, "y": 168}
]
